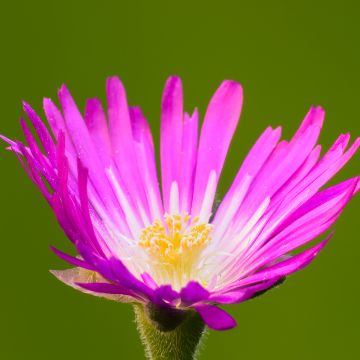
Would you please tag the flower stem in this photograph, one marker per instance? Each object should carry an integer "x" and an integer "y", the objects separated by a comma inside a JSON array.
[{"x": 169, "y": 334}]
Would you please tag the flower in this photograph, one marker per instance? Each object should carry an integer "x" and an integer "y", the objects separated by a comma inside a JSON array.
[{"x": 169, "y": 247}]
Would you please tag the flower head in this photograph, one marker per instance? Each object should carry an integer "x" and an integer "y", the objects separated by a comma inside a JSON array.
[{"x": 169, "y": 247}]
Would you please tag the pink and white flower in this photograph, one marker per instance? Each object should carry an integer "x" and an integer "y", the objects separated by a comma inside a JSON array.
[{"x": 139, "y": 242}]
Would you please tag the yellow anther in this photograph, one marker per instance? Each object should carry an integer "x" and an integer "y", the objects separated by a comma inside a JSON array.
[{"x": 178, "y": 238}]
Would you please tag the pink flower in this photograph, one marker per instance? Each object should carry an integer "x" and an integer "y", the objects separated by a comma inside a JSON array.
[{"x": 139, "y": 243}]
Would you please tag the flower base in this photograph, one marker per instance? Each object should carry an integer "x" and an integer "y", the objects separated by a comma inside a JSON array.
[{"x": 169, "y": 334}]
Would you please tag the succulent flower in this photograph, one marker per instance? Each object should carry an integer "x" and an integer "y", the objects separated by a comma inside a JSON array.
[{"x": 165, "y": 247}]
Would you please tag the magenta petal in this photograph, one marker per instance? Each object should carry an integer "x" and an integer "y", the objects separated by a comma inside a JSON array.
[
  {"x": 127, "y": 279},
  {"x": 188, "y": 160},
  {"x": 252, "y": 164},
  {"x": 148, "y": 280},
  {"x": 282, "y": 164},
  {"x": 231, "y": 297},
  {"x": 171, "y": 135},
  {"x": 72, "y": 260},
  {"x": 193, "y": 292},
  {"x": 145, "y": 154},
  {"x": 42, "y": 164},
  {"x": 167, "y": 293},
  {"x": 287, "y": 267},
  {"x": 57, "y": 124},
  {"x": 106, "y": 288},
  {"x": 307, "y": 222},
  {"x": 96, "y": 122},
  {"x": 235, "y": 295},
  {"x": 219, "y": 125},
  {"x": 122, "y": 143},
  {"x": 215, "y": 318},
  {"x": 345, "y": 188},
  {"x": 44, "y": 135}
]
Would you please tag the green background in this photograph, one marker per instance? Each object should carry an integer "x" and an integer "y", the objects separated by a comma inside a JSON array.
[{"x": 287, "y": 55}]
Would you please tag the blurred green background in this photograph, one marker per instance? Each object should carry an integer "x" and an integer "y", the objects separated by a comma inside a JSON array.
[{"x": 287, "y": 55}]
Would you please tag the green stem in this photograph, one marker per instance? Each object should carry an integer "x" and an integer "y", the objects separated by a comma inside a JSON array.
[{"x": 169, "y": 334}]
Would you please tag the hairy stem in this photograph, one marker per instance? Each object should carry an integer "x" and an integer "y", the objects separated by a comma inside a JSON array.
[{"x": 169, "y": 334}]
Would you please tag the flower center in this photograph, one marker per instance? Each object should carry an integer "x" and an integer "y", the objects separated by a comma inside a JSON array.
[{"x": 174, "y": 245}]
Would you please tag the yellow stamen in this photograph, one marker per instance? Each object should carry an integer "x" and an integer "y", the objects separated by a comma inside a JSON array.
[{"x": 174, "y": 244}]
